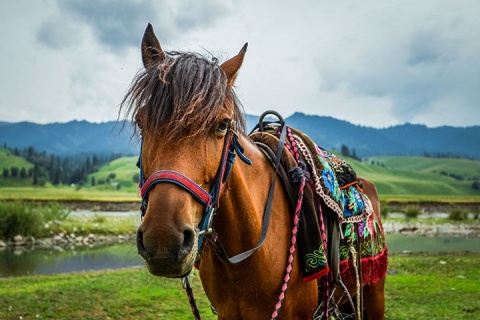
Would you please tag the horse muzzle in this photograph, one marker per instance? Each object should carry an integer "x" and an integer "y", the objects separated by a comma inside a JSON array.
[{"x": 174, "y": 258}]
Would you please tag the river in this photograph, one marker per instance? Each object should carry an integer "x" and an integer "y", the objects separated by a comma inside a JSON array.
[{"x": 22, "y": 262}]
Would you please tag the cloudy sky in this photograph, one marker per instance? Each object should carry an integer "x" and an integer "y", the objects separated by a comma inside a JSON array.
[{"x": 374, "y": 63}]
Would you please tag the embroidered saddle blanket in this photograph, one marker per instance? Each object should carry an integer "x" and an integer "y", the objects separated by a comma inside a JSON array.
[{"x": 332, "y": 195}]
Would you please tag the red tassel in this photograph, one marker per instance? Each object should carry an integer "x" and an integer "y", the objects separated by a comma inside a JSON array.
[{"x": 374, "y": 269}]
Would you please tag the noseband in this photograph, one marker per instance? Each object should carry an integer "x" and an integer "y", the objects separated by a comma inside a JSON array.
[{"x": 209, "y": 200}]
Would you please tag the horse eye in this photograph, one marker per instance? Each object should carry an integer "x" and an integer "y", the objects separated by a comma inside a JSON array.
[{"x": 223, "y": 126}]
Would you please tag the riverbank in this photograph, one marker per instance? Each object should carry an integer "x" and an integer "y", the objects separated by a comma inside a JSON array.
[
  {"x": 424, "y": 228},
  {"x": 394, "y": 206},
  {"x": 93, "y": 223}
]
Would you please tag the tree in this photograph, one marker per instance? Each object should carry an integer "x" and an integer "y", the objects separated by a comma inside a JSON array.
[
  {"x": 354, "y": 155},
  {"x": 6, "y": 172},
  {"x": 88, "y": 165},
  {"x": 23, "y": 173},
  {"x": 476, "y": 185},
  {"x": 14, "y": 172},
  {"x": 345, "y": 151}
]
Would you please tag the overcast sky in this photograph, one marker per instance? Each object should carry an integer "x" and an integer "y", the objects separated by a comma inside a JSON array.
[{"x": 374, "y": 63}]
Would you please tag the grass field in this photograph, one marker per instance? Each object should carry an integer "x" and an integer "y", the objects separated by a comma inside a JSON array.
[
  {"x": 403, "y": 179},
  {"x": 7, "y": 161},
  {"x": 418, "y": 287}
]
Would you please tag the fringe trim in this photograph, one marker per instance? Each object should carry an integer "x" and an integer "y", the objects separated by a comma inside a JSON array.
[{"x": 374, "y": 269}]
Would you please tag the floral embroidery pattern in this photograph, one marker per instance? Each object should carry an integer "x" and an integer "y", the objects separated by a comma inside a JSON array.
[{"x": 315, "y": 259}]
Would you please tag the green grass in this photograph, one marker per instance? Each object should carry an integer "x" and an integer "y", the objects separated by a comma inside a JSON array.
[
  {"x": 68, "y": 193},
  {"x": 433, "y": 287},
  {"x": 124, "y": 169},
  {"x": 468, "y": 169},
  {"x": 120, "y": 294},
  {"x": 42, "y": 220},
  {"x": 422, "y": 287},
  {"x": 99, "y": 225},
  {"x": 408, "y": 179},
  {"x": 400, "y": 179},
  {"x": 8, "y": 160}
]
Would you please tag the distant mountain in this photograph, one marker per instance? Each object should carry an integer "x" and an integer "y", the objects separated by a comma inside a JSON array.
[
  {"x": 406, "y": 139},
  {"x": 84, "y": 137},
  {"x": 70, "y": 138}
]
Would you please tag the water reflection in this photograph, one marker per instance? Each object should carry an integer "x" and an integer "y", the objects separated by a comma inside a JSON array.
[
  {"x": 21, "y": 262},
  {"x": 42, "y": 261},
  {"x": 400, "y": 243}
]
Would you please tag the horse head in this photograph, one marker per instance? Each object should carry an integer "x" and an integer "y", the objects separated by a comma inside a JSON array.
[{"x": 184, "y": 107}]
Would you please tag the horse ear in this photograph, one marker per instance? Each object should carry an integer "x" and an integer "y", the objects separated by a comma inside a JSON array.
[
  {"x": 231, "y": 66},
  {"x": 152, "y": 52}
]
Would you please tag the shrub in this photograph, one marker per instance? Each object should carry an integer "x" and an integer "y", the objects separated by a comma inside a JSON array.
[
  {"x": 412, "y": 212},
  {"x": 53, "y": 211},
  {"x": 384, "y": 211},
  {"x": 99, "y": 219},
  {"x": 476, "y": 215},
  {"x": 136, "y": 178},
  {"x": 476, "y": 185},
  {"x": 19, "y": 218},
  {"x": 27, "y": 219},
  {"x": 458, "y": 215}
]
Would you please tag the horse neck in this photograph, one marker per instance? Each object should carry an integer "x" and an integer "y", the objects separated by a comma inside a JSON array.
[{"x": 238, "y": 222}]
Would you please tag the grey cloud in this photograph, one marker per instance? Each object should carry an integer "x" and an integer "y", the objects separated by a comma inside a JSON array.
[
  {"x": 57, "y": 34},
  {"x": 119, "y": 24},
  {"x": 199, "y": 14},
  {"x": 416, "y": 77},
  {"x": 115, "y": 23},
  {"x": 428, "y": 47}
]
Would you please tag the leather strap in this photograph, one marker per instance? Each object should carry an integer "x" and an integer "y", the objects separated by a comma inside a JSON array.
[
  {"x": 268, "y": 206},
  {"x": 167, "y": 176}
]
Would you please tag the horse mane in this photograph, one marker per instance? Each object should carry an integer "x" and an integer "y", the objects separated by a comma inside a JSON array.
[{"x": 183, "y": 95}]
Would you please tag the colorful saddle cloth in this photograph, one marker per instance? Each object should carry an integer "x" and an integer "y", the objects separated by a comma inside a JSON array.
[{"x": 333, "y": 187}]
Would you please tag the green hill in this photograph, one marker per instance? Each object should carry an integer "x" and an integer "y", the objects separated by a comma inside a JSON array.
[
  {"x": 118, "y": 174},
  {"x": 403, "y": 179},
  {"x": 9, "y": 161},
  {"x": 436, "y": 179},
  {"x": 397, "y": 178}
]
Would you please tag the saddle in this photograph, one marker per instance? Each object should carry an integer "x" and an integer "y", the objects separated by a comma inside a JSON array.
[{"x": 335, "y": 213}]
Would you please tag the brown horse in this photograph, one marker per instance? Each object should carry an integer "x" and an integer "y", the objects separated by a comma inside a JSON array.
[{"x": 190, "y": 121}]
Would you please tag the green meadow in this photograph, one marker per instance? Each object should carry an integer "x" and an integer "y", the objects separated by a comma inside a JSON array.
[
  {"x": 417, "y": 287},
  {"x": 398, "y": 179}
]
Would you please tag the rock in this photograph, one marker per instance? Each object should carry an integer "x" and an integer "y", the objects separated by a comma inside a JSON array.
[
  {"x": 2, "y": 244},
  {"x": 58, "y": 239},
  {"x": 18, "y": 240}
]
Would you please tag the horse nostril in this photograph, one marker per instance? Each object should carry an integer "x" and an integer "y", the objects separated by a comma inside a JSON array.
[
  {"x": 188, "y": 242},
  {"x": 140, "y": 245}
]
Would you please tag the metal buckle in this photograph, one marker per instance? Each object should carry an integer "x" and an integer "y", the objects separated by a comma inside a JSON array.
[
  {"x": 233, "y": 128},
  {"x": 210, "y": 213}
]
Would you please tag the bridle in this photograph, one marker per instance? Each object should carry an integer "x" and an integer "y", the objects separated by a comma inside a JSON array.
[{"x": 209, "y": 200}]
